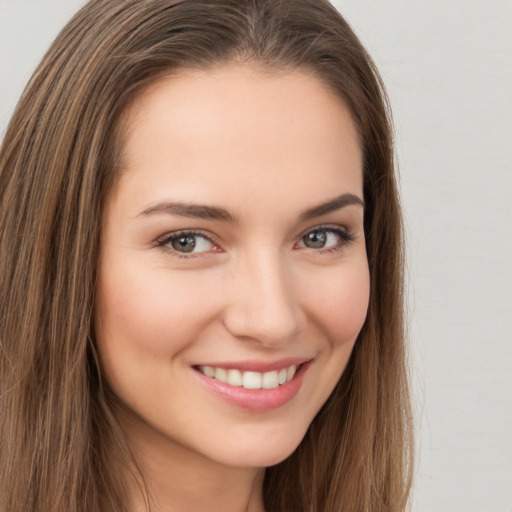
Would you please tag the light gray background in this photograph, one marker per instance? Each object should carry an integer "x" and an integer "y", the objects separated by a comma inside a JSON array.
[{"x": 448, "y": 68}]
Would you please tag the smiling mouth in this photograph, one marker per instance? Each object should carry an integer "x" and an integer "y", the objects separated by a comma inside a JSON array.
[{"x": 250, "y": 379}]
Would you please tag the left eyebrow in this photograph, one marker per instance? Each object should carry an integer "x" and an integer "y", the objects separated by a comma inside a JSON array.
[{"x": 331, "y": 206}]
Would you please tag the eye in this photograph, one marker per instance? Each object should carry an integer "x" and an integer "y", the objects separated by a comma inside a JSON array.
[
  {"x": 325, "y": 238},
  {"x": 187, "y": 242}
]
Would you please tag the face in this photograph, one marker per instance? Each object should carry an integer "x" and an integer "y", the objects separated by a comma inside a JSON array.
[{"x": 233, "y": 278}]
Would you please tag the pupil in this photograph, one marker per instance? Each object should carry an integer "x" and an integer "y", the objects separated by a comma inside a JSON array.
[
  {"x": 315, "y": 240},
  {"x": 184, "y": 244}
]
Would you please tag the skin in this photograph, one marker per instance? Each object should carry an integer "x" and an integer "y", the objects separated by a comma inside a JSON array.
[{"x": 266, "y": 146}]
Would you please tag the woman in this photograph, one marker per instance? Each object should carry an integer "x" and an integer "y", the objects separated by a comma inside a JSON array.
[{"x": 201, "y": 267}]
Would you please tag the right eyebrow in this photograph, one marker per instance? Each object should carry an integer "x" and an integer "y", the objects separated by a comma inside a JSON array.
[
  {"x": 333, "y": 205},
  {"x": 197, "y": 211}
]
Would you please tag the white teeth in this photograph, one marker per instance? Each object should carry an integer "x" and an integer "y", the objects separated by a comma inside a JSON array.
[
  {"x": 234, "y": 378},
  {"x": 270, "y": 380},
  {"x": 221, "y": 374},
  {"x": 209, "y": 371},
  {"x": 250, "y": 380}
]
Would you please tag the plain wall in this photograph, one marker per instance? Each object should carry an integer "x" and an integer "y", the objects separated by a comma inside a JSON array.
[{"x": 448, "y": 69}]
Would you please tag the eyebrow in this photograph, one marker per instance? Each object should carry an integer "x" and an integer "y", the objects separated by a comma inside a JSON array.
[
  {"x": 191, "y": 210},
  {"x": 331, "y": 206},
  {"x": 215, "y": 213}
]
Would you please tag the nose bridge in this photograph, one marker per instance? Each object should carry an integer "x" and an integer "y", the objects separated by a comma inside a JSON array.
[{"x": 264, "y": 305}]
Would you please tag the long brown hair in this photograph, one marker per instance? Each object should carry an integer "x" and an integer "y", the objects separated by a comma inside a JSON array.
[{"x": 61, "y": 447}]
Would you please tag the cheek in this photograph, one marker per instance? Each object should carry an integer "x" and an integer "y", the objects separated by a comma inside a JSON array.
[
  {"x": 144, "y": 315},
  {"x": 338, "y": 313},
  {"x": 340, "y": 304}
]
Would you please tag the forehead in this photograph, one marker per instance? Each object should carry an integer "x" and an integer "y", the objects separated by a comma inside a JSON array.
[{"x": 242, "y": 127}]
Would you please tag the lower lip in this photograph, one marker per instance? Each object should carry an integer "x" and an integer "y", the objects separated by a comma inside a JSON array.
[{"x": 256, "y": 399}]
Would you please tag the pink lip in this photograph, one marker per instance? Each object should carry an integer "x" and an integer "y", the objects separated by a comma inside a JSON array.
[
  {"x": 258, "y": 366},
  {"x": 257, "y": 400}
]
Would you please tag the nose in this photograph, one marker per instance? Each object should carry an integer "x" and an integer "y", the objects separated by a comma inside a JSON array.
[{"x": 263, "y": 305}]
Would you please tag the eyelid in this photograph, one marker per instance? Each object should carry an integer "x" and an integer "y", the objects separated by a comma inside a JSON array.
[
  {"x": 325, "y": 227},
  {"x": 346, "y": 236},
  {"x": 163, "y": 241}
]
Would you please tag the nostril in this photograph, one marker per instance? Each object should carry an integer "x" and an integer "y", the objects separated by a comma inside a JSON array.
[{"x": 267, "y": 325}]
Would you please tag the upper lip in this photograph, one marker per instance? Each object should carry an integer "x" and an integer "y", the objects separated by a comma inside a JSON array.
[{"x": 258, "y": 365}]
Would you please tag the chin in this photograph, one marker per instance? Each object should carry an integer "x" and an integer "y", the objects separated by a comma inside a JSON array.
[{"x": 268, "y": 451}]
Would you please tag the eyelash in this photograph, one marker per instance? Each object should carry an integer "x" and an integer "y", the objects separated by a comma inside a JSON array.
[
  {"x": 345, "y": 237},
  {"x": 162, "y": 243}
]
